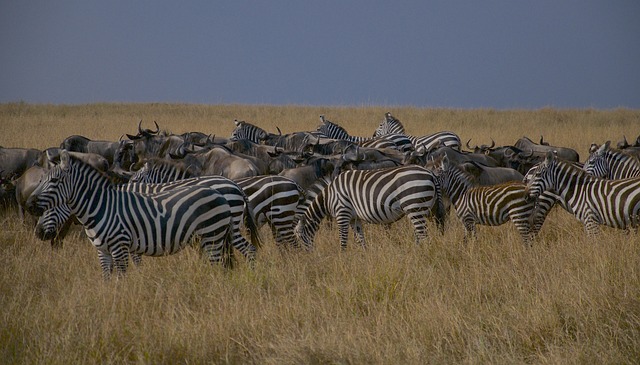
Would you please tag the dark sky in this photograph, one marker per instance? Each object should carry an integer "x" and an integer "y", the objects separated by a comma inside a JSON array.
[{"x": 461, "y": 54}]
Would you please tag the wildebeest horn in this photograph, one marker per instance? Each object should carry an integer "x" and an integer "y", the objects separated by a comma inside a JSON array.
[
  {"x": 623, "y": 144},
  {"x": 121, "y": 137},
  {"x": 157, "y": 128},
  {"x": 279, "y": 131},
  {"x": 140, "y": 127},
  {"x": 542, "y": 142},
  {"x": 469, "y": 147},
  {"x": 530, "y": 153},
  {"x": 493, "y": 143},
  {"x": 509, "y": 152}
]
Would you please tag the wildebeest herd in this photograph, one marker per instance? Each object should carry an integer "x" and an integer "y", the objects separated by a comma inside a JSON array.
[{"x": 153, "y": 192}]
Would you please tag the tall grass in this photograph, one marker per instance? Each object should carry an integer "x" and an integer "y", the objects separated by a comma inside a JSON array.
[{"x": 568, "y": 299}]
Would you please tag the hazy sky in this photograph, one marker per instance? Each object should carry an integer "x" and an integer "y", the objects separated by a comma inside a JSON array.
[{"x": 462, "y": 54}]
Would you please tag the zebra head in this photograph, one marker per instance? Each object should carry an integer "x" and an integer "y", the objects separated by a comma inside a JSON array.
[
  {"x": 248, "y": 131},
  {"x": 542, "y": 179},
  {"x": 390, "y": 125},
  {"x": 52, "y": 221},
  {"x": 597, "y": 164},
  {"x": 54, "y": 188}
]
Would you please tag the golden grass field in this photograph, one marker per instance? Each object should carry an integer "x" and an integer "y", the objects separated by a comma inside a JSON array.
[{"x": 566, "y": 300}]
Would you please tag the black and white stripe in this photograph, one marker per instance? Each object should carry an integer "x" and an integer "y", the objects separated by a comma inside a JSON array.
[
  {"x": 594, "y": 201},
  {"x": 118, "y": 221},
  {"x": 395, "y": 141},
  {"x": 611, "y": 164},
  {"x": 391, "y": 125},
  {"x": 271, "y": 199},
  {"x": 491, "y": 205},
  {"x": 374, "y": 196}
]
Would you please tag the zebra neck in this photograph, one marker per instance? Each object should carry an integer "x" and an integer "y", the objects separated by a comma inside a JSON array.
[
  {"x": 622, "y": 166},
  {"x": 571, "y": 185},
  {"x": 90, "y": 195},
  {"x": 457, "y": 186}
]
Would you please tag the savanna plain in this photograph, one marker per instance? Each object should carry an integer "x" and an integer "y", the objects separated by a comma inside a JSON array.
[{"x": 566, "y": 300}]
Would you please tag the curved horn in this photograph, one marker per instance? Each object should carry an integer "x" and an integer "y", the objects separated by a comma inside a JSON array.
[
  {"x": 541, "y": 140},
  {"x": 279, "y": 131},
  {"x": 530, "y": 153},
  {"x": 508, "y": 152},
  {"x": 157, "y": 128},
  {"x": 140, "y": 127},
  {"x": 469, "y": 147},
  {"x": 121, "y": 137},
  {"x": 493, "y": 143}
]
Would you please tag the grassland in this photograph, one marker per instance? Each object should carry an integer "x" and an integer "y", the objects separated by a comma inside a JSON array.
[{"x": 566, "y": 300}]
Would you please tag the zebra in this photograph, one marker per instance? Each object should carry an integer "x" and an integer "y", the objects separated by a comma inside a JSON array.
[
  {"x": 374, "y": 196},
  {"x": 275, "y": 200},
  {"x": 396, "y": 141},
  {"x": 118, "y": 221},
  {"x": 391, "y": 125},
  {"x": 271, "y": 199},
  {"x": 52, "y": 222},
  {"x": 297, "y": 141},
  {"x": 490, "y": 205},
  {"x": 593, "y": 201},
  {"x": 611, "y": 164}
]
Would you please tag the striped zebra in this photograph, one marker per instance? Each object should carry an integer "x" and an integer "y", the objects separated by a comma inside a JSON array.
[
  {"x": 491, "y": 205},
  {"x": 391, "y": 125},
  {"x": 118, "y": 221},
  {"x": 593, "y": 201},
  {"x": 374, "y": 196},
  {"x": 271, "y": 199},
  {"x": 396, "y": 141},
  {"x": 57, "y": 220},
  {"x": 611, "y": 164},
  {"x": 53, "y": 221}
]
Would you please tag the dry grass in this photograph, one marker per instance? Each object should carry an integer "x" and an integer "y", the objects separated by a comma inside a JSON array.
[{"x": 566, "y": 300}]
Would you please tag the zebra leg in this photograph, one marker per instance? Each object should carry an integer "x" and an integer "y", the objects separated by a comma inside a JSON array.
[
  {"x": 136, "y": 258},
  {"x": 522, "y": 225},
  {"x": 358, "y": 233},
  {"x": 469, "y": 230},
  {"x": 591, "y": 226},
  {"x": 242, "y": 245},
  {"x": 106, "y": 263},
  {"x": 120, "y": 259},
  {"x": 343, "y": 229},
  {"x": 419, "y": 222}
]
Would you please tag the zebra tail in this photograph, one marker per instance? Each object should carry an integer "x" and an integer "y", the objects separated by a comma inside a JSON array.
[{"x": 251, "y": 225}]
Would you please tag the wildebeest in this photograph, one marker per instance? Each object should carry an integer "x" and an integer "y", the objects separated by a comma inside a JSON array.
[
  {"x": 487, "y": 175},
  {"x": 565, "y": 153},
  {"x": 15, "y": 161},
  {"x": 77, "y": 143},
  {"x": 219, "y": 160}
]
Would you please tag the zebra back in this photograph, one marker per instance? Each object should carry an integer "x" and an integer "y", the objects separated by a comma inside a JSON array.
[
  {"x": 594, "y": 201},
  {"x": 160, "y": 170},
  {"x": 248, "y": 131},
  {"x": 391, "y": 125}
]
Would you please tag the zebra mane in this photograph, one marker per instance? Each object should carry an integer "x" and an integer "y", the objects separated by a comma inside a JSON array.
[
  {"x": 333, "y": 130},
  {"x": 156, "y": 163},
  {"x": 113, "y": 178}
]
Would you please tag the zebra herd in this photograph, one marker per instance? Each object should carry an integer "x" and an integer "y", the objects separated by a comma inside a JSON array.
[{"x": 166, "y": 206}]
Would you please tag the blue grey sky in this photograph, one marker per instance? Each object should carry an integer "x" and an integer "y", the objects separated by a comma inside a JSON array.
[{"x": 460, "y": 54}]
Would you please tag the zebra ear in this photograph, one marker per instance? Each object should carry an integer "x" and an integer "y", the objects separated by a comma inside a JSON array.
[
  {"x": 64, "y": 159},
  {"x": 605, "y": 146}
]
